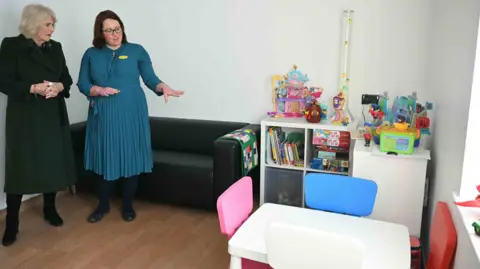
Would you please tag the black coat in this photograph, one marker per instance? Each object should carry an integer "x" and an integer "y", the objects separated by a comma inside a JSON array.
[{"x": 39, "y": 154}]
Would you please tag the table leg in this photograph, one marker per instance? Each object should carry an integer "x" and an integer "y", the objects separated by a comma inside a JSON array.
[{"x": 235, "y": 262}]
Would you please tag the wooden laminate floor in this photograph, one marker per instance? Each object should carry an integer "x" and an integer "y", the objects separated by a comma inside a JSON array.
[{"x": 162, "y": 237}]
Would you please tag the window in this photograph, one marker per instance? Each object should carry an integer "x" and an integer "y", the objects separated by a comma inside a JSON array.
[{"x": 471, "y": 162}]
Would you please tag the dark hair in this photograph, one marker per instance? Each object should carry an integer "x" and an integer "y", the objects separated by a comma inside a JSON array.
[{"x": 98, "y": 38}]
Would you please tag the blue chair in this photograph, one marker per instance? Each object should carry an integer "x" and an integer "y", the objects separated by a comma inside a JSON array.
[{"x": 340, "y": 194}]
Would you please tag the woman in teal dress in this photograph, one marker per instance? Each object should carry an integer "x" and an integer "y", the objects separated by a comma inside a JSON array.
[{"x": 118, "y": 132}]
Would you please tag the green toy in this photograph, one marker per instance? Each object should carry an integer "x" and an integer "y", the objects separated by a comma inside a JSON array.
[{"x": 476, "y": 226}]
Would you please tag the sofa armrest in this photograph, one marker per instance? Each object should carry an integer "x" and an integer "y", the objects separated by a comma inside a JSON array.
[
  {"x": 78, "y": 134},
  {"x": 227, "y": 163}
]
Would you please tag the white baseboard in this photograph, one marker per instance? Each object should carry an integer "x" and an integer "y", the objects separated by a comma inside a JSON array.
[{"x": 3, "y": 203}]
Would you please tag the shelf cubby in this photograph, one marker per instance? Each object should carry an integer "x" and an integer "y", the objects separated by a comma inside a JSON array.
[{"x": 281, "y": 181}]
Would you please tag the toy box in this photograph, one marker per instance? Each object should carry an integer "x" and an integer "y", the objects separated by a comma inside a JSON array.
[
  {"x": 398, "y": 141},
  {"x": 327, "y": 164},
  {"x": 326, "y": 155},
  {"x": 340, "y": 139}
]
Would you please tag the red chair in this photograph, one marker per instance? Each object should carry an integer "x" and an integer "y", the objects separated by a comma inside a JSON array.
[{"x": 443, "y": 239}]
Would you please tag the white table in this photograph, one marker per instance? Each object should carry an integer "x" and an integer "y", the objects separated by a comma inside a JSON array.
[{"x": 387, "y": 244}]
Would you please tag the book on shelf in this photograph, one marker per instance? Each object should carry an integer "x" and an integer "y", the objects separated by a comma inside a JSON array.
[{"x": 287, "y": 149}]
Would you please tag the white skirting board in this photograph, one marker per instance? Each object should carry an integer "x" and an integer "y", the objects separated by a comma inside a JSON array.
[{"x": 3, "y": 202}]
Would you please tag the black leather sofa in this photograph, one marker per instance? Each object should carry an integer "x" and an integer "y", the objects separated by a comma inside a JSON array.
[{"x": 192, "y": 167}]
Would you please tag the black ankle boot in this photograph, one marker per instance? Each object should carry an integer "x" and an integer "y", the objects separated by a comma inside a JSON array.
[
  {"x": 50, "y": 214},
  {"x": 11, "y": 231},
  {"x": 12, "y": 219}
]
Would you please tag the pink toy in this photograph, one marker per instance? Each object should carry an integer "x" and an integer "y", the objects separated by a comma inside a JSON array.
[
  {"x": 290, "y": 94},
  {"x": 234, "y": 207}
]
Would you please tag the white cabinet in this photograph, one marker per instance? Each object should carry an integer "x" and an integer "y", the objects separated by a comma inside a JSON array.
[{"x": 401, "y": 183}]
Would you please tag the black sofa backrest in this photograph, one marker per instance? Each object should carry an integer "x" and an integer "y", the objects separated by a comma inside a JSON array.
[{"x": 188, "y": 135}]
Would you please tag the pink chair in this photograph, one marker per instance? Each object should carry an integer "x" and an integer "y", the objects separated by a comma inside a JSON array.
[{"x": 234, "y": 207}]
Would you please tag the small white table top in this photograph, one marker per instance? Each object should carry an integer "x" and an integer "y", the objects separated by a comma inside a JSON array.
[{"x": 387, "y": 244}]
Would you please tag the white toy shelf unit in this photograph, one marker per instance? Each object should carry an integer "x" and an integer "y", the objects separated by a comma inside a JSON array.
[
  {"x": 288, "y": 154},
  {"x": 293, "y": 147}
]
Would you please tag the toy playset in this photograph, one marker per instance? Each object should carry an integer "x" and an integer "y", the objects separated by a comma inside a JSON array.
[
  {"x": 397, "y": 130},
  {"x": 292, "y": 97}
]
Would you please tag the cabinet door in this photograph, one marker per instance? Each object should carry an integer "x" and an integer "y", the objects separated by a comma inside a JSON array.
[{"x": 401, "y": 186}]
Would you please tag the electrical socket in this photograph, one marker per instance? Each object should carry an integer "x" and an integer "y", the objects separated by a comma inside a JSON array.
[{"x": 368, "y": 99}]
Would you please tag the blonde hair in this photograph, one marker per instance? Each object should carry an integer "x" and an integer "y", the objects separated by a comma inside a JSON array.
[{"x": 32, "y": 17}]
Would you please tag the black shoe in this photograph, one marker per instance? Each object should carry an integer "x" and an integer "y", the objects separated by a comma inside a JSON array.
[
  {"x": 129, "y": 215},
  {"x": 97, "y": 215},
  {"x": 10, "y": 236},
  {"x": 50, "y": 214}
]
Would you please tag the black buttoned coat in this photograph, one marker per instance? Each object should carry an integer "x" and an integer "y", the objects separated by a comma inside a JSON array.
[{"x": 39, "y": 154}]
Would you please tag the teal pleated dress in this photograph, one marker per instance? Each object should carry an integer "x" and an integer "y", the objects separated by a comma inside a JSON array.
[{"x": 118, "y": 131}]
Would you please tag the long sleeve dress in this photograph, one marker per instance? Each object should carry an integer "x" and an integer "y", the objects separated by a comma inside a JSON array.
[{"x": 118, "y": 141}]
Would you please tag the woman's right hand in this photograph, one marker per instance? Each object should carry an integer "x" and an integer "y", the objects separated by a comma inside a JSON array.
[
  {"x": 103, "y": 91},
  {"x": 39, "y": 88}
]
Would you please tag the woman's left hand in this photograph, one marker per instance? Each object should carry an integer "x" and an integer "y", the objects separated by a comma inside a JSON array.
[{"x": 167, "y": 91}]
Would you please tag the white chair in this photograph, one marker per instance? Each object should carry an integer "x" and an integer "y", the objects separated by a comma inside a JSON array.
[{"x": 294, "y": 247}]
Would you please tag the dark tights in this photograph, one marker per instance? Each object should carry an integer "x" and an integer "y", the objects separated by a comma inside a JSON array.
[{"x": 128, "y": 194}]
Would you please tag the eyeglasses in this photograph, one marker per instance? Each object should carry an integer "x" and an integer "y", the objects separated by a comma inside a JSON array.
[{"x": 110, "y": 31}]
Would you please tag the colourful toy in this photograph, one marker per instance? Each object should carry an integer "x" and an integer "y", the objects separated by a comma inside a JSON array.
[
  {"x": 402, "y": 137},
  {"x": 340, "y": 104},
  {"x": 476, "y": 227},
  {"x": 313, "y": 113},
  {"x": 289, "y": 94},
  {"x": 376, "y": 113},
  {"x": 291, "y": 97},
  {"x": 338, "y": 107},
  {"x": 403, "y": 108},
  {"x": 396, "y": 140},
  {"x": 368, "y": 138},
  {"x": 420, "y": 118}
]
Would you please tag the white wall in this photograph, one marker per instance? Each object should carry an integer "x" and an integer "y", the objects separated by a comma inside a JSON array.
[
  {"x": 451, "y": 56},
  {"x": 223, "y": 52}
]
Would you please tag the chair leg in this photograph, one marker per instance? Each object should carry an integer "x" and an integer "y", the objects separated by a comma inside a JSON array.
[{"x": 72, "y": 189}]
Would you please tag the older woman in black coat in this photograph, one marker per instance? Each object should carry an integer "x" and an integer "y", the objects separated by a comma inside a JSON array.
[{"x": 39, "y": 154}]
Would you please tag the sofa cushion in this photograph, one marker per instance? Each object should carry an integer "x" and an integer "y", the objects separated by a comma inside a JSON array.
[
  {"x": 180, "y": 178},
  {"x": 188, "y": 135},
  {"x": 186, "y": 160}
]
